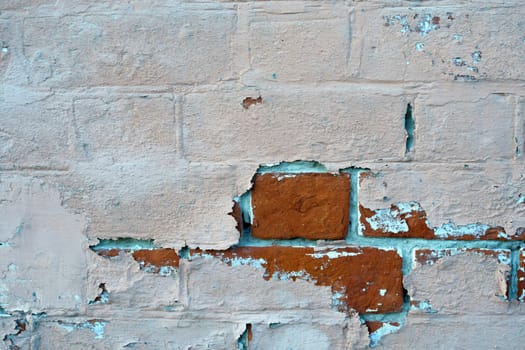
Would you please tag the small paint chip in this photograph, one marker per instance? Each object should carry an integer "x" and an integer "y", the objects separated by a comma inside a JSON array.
[
  {"x": 476, "y": 57},
  {"x": 248, "y": 101}
]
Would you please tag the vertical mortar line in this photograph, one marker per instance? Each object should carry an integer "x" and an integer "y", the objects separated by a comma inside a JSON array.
[
  {"x": 179, "y": 132},
  {"x": 407, "y": 255},
  {"x": 240, "y": 41},
  {"x": 519, "y": 128},
  {"x": 349, "y": 39},
  {"x": 513, "y": 278},
  {"x": 353, "y": 229},
  {"x": 183, "y": 281}
]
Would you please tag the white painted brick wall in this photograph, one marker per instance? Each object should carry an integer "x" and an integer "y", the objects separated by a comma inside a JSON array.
[{"x": 125, "y": 120}]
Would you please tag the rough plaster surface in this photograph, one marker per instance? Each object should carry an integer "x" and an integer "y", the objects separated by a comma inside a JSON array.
[{"x": 126, "y": 120}]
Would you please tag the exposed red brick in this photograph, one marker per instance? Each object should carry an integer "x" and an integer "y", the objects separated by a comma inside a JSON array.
[
  {"x": 157, "y": 257},
  {"x": 369, "y": 279},
  {"x": 311, "y": 206},
  {"x": 521, "y": 276},
  {"x": 416, "y": 222}
]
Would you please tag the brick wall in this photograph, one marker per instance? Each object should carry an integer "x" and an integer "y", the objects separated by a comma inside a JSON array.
[{"x": 262, "y": 174}]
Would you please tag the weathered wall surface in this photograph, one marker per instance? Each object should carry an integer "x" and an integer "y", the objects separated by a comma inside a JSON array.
[{"x": 372, "y": 151}]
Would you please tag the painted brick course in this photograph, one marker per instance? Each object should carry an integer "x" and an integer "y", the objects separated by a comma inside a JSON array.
[{"x": 262, "y": 174}]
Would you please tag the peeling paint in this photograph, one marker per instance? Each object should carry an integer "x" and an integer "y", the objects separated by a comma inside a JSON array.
[
  {"x": 95, "y": 325},
  {"x": 452, "y": 230},
  {"x": 387, "y": 220},
  {"x": 103, "y": 296},
  {"x": 359, "y": 291},
  {"x": 424, "y": 306}
]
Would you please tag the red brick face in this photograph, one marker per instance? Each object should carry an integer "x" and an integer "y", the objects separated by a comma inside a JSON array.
[{"x": 311, "y": 206}]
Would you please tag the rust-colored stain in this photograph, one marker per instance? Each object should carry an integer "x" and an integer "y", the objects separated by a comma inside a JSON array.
[
  {"x": 369, "y": 280},
  {"x": 416, "y": 222},
  {"x": 248, "y": 101},
  {"x": 430, "y": 256},
  {"x": 312, "y": 206},
  {"x": 435, "y": 20},
  {"x": 157, "y": 257}
]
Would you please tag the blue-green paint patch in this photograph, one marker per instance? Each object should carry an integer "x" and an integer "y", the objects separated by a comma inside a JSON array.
[
  {"x": 274, "y": 75},
  {"x": 4, "y": 313},
  {"x": 295, "y": 167},
  {"x": 247, "y": 240},
  {"x": 385, "y": 329},
  {"x": 124, "y": 244}
]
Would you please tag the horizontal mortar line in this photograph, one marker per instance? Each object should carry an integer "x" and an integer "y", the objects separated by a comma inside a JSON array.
[
  {"x": 37, "y": 170},
  {"x": 196, "y": 315},
  {"x": 383, "y": 242},
  {"x": 405, "y": 85},
  {"x": 80, "y": 91},
  {"x": 358, "y": 241},
  {"x": 441, "y": 162},
  {"x": 203, "y": 87},
  {"x": 452, "y": 5},
  {"x": 124, "y": 12},
  {"x": 401, "y": 317}
]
